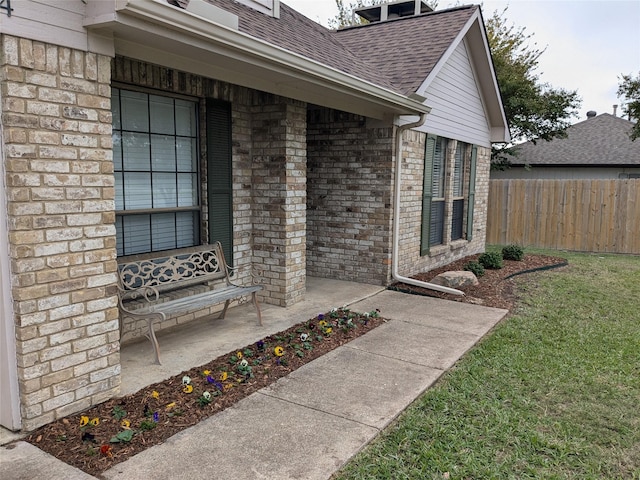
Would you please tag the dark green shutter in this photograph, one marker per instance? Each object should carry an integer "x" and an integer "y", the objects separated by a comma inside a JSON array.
[
  {"x": 472, "y": 192},
  {"x": 427, "y": 193},
  {"x": 219, "y": 181}
]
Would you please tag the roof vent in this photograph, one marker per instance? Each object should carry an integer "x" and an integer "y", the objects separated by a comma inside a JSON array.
[
  {"x": 591, "y": 113},
  {"x": 393, "y": 10}
]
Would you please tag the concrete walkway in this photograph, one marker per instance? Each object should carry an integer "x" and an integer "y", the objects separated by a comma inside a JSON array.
[{"x": 308, "y": 424}]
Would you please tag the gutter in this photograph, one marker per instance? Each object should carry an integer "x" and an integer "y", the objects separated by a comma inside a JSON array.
[{"x": 396, "y": 217}]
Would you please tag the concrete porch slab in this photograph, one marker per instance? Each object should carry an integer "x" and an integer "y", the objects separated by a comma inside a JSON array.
[
  {"x": 196, "y": 343},
  {"x": 23, "y": 461}
]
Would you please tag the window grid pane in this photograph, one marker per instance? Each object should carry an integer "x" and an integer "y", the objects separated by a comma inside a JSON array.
[{"x": 155, "y": 163}]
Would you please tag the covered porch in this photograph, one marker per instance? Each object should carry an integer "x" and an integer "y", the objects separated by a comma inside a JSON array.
[{"x": 207, "y": 338}]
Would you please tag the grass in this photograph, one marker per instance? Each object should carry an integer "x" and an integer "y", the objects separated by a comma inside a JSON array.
[{"x": 552, "y": 393}]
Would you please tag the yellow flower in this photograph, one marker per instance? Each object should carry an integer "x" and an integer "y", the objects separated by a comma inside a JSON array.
[
  {"x": 279, "y": 351},
  {"x": 94, "y": 422},
  {"x": 239, "y": 355},
  {"x": 206, "y": 372},
  {"x": 322, "y": 323},
  {"x": 328, "y": 330},
  {"x": 228, "y": 386},
  {"x": 223, "y": 376},
  {"x": 170, "y": 406},
  {"x": 84, "y": 420},
  {"x": 155, "y": 394},
  {"x": 188, "y": 389},
  {"x": 126, "y": 424}
]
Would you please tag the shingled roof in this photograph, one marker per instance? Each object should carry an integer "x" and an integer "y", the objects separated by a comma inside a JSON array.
[
  {"x": 407, "y": 49},
  {"x": 599, "y": 141},
  {"x": 397, "y": 54}
]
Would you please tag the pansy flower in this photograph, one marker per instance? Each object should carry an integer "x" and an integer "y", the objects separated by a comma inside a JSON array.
[
  {"x": 304, "y": 337},
  {"x": 206, "y": 373},
  {"x": 243, "y": 363},
  {"x": 239, "y": 355},
  {"x": 328, "y": 330},
  {"x": 279, "y": 351},
  {"x": 156, "y": 417},
  {"x": 105, "y": 450},
  {"x": 322, "y": 323},
  {"x": 223, "y": 376},
  {"x": 210, "y": 379},
  {"x": 321, "y": 316},
  {"x": 260, "y": 345},
  {"x": 170, "y": 406},
  {"x": 206, "y": 396},
  {"x": 155, "y": 395},
  {"x": 84, "y": 421},
  {"x": 188, "y": 389},
  {"x": 94, "y": 422},
  {"x": 126, "y": 424},
  {"x": 186, "y": 380}
]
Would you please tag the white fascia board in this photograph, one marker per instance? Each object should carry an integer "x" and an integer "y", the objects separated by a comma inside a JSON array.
[
  {"x": 494, "y": 90},
  {"x": 189, "y": 29}
]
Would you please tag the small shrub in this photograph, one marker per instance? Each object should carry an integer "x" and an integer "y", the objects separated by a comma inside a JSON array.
[
  {"x": 491, "y": 260},
  {"x": 513, "y": 252},
  {"x": 475, "y": 267}
]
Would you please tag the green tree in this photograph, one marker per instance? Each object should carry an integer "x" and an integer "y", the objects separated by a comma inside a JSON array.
[
  {"x": 629, "y": 91},
  {"x": 534, "y": 109}
]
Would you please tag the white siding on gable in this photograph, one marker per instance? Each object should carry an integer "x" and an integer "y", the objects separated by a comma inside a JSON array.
[
  {"x": 456, "y": 105},
  {"x": 58, "y": 22}
]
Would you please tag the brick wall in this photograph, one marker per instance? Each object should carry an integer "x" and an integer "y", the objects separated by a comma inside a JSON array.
[
  {"x": 280, "y": 192},
  {"x": 410, "y": 261},
  {"x": 350, "y": 182},
  {"x": 60, "y": 201}
]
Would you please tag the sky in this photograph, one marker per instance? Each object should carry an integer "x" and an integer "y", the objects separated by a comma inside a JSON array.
[{"x": 589, "y": 43}]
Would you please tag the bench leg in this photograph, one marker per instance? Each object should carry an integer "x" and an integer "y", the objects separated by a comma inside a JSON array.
[
  {"x": 151, "y": 335},
  {"x": 224, "y": 310},
  {"x": 255, "y": 304}
]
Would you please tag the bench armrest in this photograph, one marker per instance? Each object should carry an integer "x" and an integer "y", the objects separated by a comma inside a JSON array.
[
  {"x": 150, "y": 294},
  {"x": 255, "y": 274}
]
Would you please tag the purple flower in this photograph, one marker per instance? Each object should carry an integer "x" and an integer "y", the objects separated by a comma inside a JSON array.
[
  {"x": 218, "y": 385},
  {"x": 210, "y": 379},
  {"x": 260, "y": 345},
  {"x": 321, "y": 316},
  {"x": 156, "y": 417}
]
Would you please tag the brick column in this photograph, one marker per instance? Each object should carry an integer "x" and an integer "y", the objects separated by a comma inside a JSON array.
[
  {"x": 56, "y": 116},
  {"x": 279, "y": 194}
]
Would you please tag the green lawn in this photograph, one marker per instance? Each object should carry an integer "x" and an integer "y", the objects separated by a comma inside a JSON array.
[{"x": 552, "y": 393}]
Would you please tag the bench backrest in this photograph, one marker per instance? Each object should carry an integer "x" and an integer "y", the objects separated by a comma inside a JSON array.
[{"x": 174, "y": 269}]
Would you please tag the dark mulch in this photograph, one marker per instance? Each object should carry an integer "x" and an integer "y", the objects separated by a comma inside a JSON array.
[{"x": 159, "y": 411}]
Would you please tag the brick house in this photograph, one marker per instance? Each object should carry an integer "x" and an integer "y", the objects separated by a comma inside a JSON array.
[{"x": 132, "y": 126}]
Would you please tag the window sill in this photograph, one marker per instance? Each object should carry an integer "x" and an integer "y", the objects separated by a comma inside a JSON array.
[
  {"x": 458, "y": 244},
  {"x": 438, "y": 250}
]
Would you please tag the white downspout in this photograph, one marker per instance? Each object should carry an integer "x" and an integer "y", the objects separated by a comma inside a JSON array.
[{"x": 396, "y": 217}]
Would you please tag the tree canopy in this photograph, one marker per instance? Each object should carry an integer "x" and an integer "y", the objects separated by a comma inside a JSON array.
[
  {"x": 629, "y": 91},
  {"x": 534, "y": 109}
]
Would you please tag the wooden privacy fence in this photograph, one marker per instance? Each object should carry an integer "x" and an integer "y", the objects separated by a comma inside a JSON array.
[{"x": 580, "y": 215}]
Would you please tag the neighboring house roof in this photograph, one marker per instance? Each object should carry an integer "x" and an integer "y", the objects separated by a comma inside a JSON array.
[{"x": 599, "y": 141}]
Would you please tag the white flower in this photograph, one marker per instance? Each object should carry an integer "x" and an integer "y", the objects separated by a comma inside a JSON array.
[
  {"x": 303, "y": 337},
  {"x": 186, "y": 380},
  {"x": 243, "y": 363},
  {"x": 334, "y": 310},
  {"x": 206, "y": 395}
]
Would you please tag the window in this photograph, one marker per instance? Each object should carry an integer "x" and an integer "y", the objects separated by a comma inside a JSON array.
[
  {"x": 447, "y": 205},
  {"x": 436, "y": 230},
  {"x": 155, "y": 155},
  {"x": 457, "y": 213}
]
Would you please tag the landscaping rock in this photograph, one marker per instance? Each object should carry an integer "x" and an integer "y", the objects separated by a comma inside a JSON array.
[{"x": 456, "y": 279}]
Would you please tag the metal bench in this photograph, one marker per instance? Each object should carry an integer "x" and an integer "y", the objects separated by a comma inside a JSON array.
[{"x": 160, "y": 286}]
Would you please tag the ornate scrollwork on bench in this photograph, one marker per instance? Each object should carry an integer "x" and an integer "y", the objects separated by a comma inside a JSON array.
[{"x": 144, "y": 283}]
